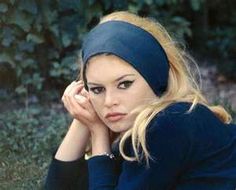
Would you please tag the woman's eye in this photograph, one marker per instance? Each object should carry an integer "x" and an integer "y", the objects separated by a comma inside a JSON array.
[
  {"x": 125, "y": 84},
  {"x": 97, "y": 90}
]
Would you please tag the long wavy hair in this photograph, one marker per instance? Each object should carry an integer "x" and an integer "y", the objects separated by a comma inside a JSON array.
[{"x": 182, "y": 85}]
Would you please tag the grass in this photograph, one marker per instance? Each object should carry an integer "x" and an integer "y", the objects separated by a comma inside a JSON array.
[
  {"x": 27, "y": 139},
  {"x": 20, "y": 173}
]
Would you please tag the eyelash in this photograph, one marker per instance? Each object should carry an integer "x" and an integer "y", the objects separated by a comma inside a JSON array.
[{"x": 99, "y": 90}]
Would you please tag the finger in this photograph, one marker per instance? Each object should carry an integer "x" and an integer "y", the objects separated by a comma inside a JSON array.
[
  {"x": 73, "y": 107},
  {"x": 83, "y": 111},
  {"x": 83, "y": 101},
  {"x": 80, "y": 109},
  {"x": 69, "y": 92},
  {"x": 79, "y": 112},
  {"x": 70, "y": 98},
  {"x": 85, "y": 93},
  {"x": 67, "y": 96},
  {"x": 71, "y": 85}
]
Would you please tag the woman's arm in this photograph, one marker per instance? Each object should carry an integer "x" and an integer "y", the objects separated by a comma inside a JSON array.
[
  {"x": 76, "y": 101},
  {"x": 68, "y": 169},
  {"x": 74, "y": 144}
]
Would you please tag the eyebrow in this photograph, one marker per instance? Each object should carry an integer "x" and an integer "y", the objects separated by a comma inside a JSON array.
[{"x": 116, "y": 80}]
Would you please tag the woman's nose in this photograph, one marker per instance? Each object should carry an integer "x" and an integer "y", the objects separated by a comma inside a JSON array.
[{"x": 110, "y": 99}]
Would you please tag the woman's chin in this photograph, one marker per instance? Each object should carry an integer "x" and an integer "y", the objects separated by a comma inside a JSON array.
[{"x": 119, "y": 127}]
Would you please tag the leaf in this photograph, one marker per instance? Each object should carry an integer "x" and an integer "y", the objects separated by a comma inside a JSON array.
[
  {"x": 3, "y": 8},
  {"x": 94, "y": 11},
  {"x": 34, "y": 38},
  {"x": 149, "y": 2},
  {"x": 133, "y": 8},
  {"x": 4, "y": 57},
  {"x": 160, "y": 2},
  {"x": 68, "y": 27},
  {"x": 37, "y": 80},
  {"x": 26, "y": 46},
  {"x": 66, "y": 40},
  {"x": 70, "y": 66},
  {"x": 54, "y": 29},
  {"x": 21, "y": 90},
  {"x": 53, "y": 54},
  {"x": 67, "y": 5},
  {"x": 91, "y": 2},
  {"x": 51, "y": 16},
  {"x": 69, "y": 60},
  {"x": 195, "y": 4},
  {"x": 19, "y": 72},
  {"x": 107, "y": 4},
  {"x": 8, "y": 37},
  {"x": 118, "y": 5},
  {"x": 28, "y": 6},
  {"x": 21, "y": 19},
  {"x": 29, "y": 63},
  {"x": 55, "y": 71},
  {"x": 18, "y": 56},
  {"x": 12, "y": 1}
]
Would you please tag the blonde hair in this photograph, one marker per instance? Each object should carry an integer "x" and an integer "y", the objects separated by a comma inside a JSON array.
[{"x": 181, "y": 85}]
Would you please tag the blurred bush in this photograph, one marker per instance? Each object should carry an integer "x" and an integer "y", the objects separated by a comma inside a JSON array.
[
  {"x": 39, "y": 40},
  {"x": 222, "y": 36}
]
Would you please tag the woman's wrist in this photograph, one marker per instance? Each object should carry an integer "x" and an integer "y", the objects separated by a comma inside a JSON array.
[{"x": 100, "y": 142}]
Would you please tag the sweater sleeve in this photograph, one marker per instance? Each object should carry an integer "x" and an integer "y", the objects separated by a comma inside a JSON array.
[
  {"x": 169, "y": 145},
  {"x": 67, "y": 175}
]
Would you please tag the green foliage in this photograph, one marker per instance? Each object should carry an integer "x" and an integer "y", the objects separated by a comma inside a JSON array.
[
  {"x": 34, "y": 37},
  {"x": 196, "y": 5},
  {"x": 221, "y": 44},
  {"x": 27, "y": 139},
  {"x": 40, "y": 39}
]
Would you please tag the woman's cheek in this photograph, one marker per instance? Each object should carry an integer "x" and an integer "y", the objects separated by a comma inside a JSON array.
[{"x": 96, "y": 105}]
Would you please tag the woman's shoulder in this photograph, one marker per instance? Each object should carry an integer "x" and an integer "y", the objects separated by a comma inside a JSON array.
[
  {"x": 179, "y": 127},
  {"x": 179, "y": 115},
  {"x": 184, "y": 110}
]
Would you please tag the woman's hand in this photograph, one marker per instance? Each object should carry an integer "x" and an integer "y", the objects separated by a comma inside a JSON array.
[{"x": 76, "y": 101}]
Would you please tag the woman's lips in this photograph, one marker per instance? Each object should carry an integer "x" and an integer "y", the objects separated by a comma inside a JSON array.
[{"x": 113, "y": 117}]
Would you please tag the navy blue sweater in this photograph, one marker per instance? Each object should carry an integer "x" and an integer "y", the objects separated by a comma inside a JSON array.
[{"x": 191, "y": 151}]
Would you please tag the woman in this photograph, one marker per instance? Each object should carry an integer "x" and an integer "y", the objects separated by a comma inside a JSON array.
[{"x": 139, "y": 108}]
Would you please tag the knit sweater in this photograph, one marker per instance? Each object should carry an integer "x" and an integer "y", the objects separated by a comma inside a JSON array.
[{"x": 190, "y": 151}]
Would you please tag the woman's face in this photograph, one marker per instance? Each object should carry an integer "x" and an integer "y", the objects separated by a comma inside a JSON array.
[{"x": 115, "y": 89}]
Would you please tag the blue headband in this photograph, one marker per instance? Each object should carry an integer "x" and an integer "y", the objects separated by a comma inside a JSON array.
[{"x": 132, "y": 44}]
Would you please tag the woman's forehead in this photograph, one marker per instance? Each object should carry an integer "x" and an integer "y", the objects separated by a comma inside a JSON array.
[
  {"x": 107, "y": 62},
  {"x": 108, "y": 67}
]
